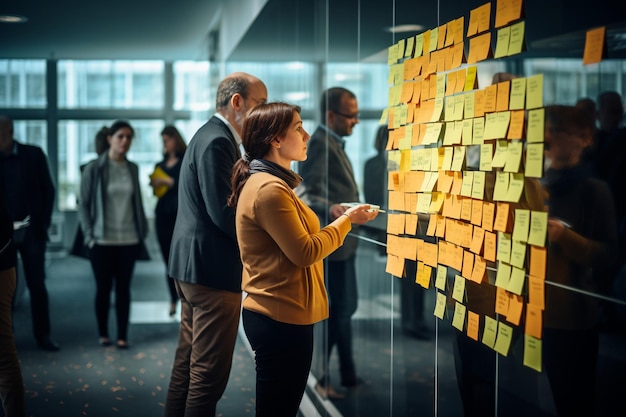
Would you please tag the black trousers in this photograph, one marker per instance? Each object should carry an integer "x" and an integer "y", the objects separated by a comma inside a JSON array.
[
  {"x": 113, "y": 265},
  {"x": 283, "y": 354},
  {"x": 33, "y": 254},
  {"x": 165, "y": 229}
]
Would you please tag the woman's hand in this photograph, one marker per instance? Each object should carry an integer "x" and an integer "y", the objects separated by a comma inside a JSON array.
[{"x": 360, "y": 214}]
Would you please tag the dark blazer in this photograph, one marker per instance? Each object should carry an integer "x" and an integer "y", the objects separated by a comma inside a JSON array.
[
  {"x": 28, "y": 188},
  {"x": 204, "y": 246},
  {"x": 328, "y": 179}
]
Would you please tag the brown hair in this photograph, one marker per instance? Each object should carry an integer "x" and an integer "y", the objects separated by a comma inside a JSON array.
[
  {"x": 262, "y": 126},
  {"x": 181, "y": 146}
]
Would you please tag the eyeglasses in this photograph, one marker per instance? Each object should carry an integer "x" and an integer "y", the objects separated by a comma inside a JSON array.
[{"x": 347, "y": 116}]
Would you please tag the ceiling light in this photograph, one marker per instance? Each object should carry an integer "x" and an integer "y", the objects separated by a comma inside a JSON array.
[
  {"x": 404, "y": 28},
  {"x": 12, "y": 18}
]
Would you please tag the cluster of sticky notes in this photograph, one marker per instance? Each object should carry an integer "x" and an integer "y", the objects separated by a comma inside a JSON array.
[{"x": 459, "y": 159}]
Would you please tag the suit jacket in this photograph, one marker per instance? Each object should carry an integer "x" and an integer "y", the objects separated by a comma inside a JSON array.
[
  {"x": 204, "y": 245},
  {"x": 28, "y": 188},
  {"x": 328, "y": 179}
]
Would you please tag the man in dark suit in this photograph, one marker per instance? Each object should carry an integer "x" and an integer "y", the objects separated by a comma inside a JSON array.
[
  {"x": 29, "y": 194},
  {"x": 204, "y": 255},
  {"x": 328, "y": 180}
]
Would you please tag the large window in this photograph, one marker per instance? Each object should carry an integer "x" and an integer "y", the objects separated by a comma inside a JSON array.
[
  {"x": 110, "y": 84},
  {"x": 23, "y": 83}
]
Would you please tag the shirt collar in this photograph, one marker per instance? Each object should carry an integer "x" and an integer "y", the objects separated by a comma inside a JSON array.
[
  {"x": 341, "y": 141},
  {"x": 232, "y": 129}
]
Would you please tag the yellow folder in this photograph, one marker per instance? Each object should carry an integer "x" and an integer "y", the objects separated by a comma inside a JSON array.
[{"x": 160, "y": 190}]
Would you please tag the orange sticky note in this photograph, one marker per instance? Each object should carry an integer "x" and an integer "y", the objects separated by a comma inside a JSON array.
[
  {"x": 477, "y": 240},
  {"x": 502, "y": 99},
  {"x": 538, "y": 256},
  {"x": 502, "y": 217},
  {"x": 594, "y": 45},
  {"x": 516, "y": 305},
  {"x": 516, "y": 126},
  {"x": 536, "y": 292},
  {"x": 480, "y": 270},
  {"x": 473, "y": 324},
  {"x": 491, "y": 97},
  {"x": 480, "y": 48},
  {"x": 534, "y": 322},
  {"x": 502, "y": 301},
  {"x": 488, "y": 216},
  {"x": 490, "y": 246},
  {"x": 480, "y": 19},
  {"x": 477, "y": 212},
  {"x": 468, "y": 264}
]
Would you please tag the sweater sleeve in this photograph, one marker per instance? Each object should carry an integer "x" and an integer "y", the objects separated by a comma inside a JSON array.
[{"x": 277, "y": 211}]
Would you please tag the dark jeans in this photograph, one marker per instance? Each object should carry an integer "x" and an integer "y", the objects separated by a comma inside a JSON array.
[
  {"x": 113, "y": 264},
  {"x": 165, "y": 229},
  {"x": 283, "y": 354},
  {"x": 343, "y": 299},
  {"x": 33, "y": 254}
]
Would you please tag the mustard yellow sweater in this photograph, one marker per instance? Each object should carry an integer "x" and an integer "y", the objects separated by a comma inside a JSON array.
[{"x": 282, "y": 248}]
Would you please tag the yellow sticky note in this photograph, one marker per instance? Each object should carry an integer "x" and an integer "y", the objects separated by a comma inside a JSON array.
[
  {"x": 536, "y": 121},
  {"x": 532, "y": 352},
  {"x": 534, "y": 160},
  {"x": 534, "y": 91},
  {"x": 514, "y": 156},
  {"x": 502, "y": 42},
  {"x": 489, "y": 334},
  {"x": 440, "y": 305},
  {"x": 538, "y": 228},
  {"x": 479, "y": 131},
  {"x": 501, "y": 187},
  {"x": 518, "y": 94},
  {"x": 503, "y": 340},
  {"x": 516, "y": 187},
  {"x": 440, "y": 280},
  {"x": 504, "y": 247},
  {"x": 478, "y": 185},
  {"x": 486, "y": 156},
  {"x": 521, "y": 225},
  {"x": 516, "y": 40},
  {"x": 459, "y": 288},
  {"x": 503, "y": 275},
  {"x": 518, "y": 253},
  {"x": 516, "y": 283},
  {"x": 458, "y": 320},
  {"x": 458, "y": 159}
]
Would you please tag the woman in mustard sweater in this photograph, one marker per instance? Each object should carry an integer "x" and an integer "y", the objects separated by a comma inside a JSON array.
[{"x": 282, "y": 248}]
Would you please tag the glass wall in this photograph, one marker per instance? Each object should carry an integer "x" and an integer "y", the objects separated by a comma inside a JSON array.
[{"x": 457, "y": 315}]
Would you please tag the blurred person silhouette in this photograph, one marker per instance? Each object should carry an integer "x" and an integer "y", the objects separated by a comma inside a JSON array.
[
  {"x": 328, "y": 180},
  {"x": 610, "y": 159},
  {"x": 282, "y": 248},
  {"x": 588, "y": 108},
  {"x": 29, "y": 197},
  {"x": 582, "y": 236},
  {"x": 11, "y": 380},
  {"x": 101, "y": 145},
  {"x": 375, "y": 181},
  {"x": 204, "y": 256},
  {"x": 164, "y": 181},
  {"x": 114, "y": 223}
]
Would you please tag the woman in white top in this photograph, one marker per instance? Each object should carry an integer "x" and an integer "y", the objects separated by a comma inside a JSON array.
[{"x": 114, "y": 224}]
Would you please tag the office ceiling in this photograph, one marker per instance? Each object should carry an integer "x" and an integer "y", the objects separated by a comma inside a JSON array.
[{"x": 284, "y": 30}]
